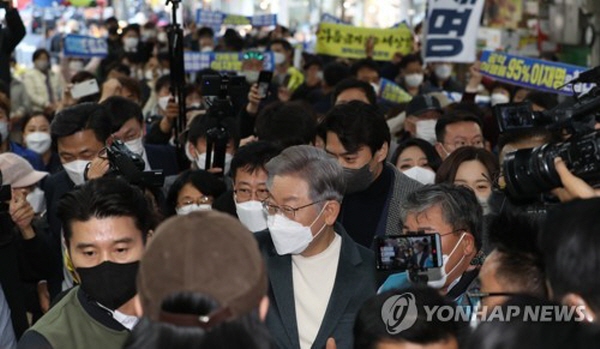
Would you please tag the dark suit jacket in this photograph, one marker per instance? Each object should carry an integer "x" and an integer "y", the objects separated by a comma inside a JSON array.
[
  {"x": 162, "y": 157},
  {"x": 55, "y": 186},
  {"x": 354, "y": 283},
  {"x": 10, "y": 36}
]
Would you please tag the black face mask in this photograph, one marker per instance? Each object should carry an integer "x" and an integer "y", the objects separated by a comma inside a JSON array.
[
  {"x": 358, "y": 180},
  {"x": 110, "y": 284}
]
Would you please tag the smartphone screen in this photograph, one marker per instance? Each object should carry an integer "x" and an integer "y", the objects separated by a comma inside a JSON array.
[
  {"x": 84, "y": 89},
  {"x": 264, "y": 81},
  {"x": 408, "y": 252}
]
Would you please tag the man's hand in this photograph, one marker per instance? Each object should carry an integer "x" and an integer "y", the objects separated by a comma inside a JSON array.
[
  {"x": 22, "y": 213},
  {"x": 97, "y": 168},
  {"x": 170, "y": 116},
  {"x": 253, "y": 100},
  {"x": 475, "y": 78},
  {"x": 331, "y": 343},
  {"x": 573, "y": 186}
]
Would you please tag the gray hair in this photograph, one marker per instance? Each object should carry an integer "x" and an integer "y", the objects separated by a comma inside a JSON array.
[
  {"x": 459, "y": 206},
  {"x": 325, "y": 177}
]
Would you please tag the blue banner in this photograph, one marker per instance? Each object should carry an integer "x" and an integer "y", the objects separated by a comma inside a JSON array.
[
  {"x": 85, "y": 46},
  {"x": 223, "y": 62},
  {"x": 215, "y": 19},
  {"x": 391, "y": 92},
  {"x": 531, "y": 73}
]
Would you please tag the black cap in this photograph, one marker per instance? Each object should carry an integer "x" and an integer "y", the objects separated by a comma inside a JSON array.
[{"x": 422, "y": 103}]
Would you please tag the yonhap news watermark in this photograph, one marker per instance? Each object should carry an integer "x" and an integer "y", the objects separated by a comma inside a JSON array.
[{"x": 400, "y": 312}]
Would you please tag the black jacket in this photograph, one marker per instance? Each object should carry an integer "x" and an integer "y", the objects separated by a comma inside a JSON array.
[{"x": 10, "y": 36}]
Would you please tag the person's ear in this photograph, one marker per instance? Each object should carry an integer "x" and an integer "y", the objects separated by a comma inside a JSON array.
[
  {"x": 263, "y": 308},
  {"x": 191, "y": 149},
  {"x": 331, "y": 212},
  {"x": 468, "y": 244},
  {"x": 382, "y": 153},
  {"x": 583, "y": 310}
]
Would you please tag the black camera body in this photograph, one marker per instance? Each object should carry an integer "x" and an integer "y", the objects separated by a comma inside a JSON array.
[
  {"x": 129, "y": 165},
  {"x": 531, "y": 172}
]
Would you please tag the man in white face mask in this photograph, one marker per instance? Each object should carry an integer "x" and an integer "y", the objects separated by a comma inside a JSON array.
[
  {"x": 441, "y": 78},
  {"x": 249, "y": 185},
  {"x": 127, "y": 124},
  {"x": 196, "y": 146},
  {"x": 454, "y": 213},
  {"x": 80, "y": 133},
  {"x": 422, "y": 114},
  {"x": 318, "y": 274}
]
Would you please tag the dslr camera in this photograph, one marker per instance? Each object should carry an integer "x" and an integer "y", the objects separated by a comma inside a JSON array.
[
  {"x": 130, "y": 166},
  {"x": 531, "y": 172}
]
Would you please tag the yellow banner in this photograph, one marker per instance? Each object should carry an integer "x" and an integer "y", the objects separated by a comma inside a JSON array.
[{"x": 349, "y": 42}]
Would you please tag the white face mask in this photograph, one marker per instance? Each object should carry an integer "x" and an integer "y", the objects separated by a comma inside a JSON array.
[
  {"x": 251, "y": 76},
  {"x": 149, "y": 75},
  {"x": 421, "y": 174},
  {"x": 39, "y": 142},
  {"x": 75, "y": 170},
  {"x": 187, "y": 209},
  {"x": 37, "y": 200},
  {"x": 499, "y": 98},
  {"x": 4, "y": 130},
  {"x": 252, "y": 215},
  {"x": 201, "y": 161},
  {"x": 136, "y": 145},
  {"x": 130, "y": 43},
  {"x": 377, "y": 88},
  {"x": 483, "y": 202},
  {"x": 162, "y": 37},
  {"x": 41, "y": 65},
  {"x": 413, "y": 80},
  {"x": 291, "y": 237},
  {"x": 441, "y": 282},
  {"x": 207, "y": 49},
  {"x": 163, "y": 102},
  {"x": 320, "y": 75},
  {"x": 443, "y": 71},
  {"x": 426, "y": 130},
  {"x": 279, "y": 58}
]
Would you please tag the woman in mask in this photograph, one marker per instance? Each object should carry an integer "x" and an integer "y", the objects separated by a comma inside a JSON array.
[
  {"x": 43, "y": 86},
  {"x": 193, "y": 191},
  {"x": 418, "y": 159},
  {"x": 36, "y": 137},
  {"x": 472, "y": 167}
]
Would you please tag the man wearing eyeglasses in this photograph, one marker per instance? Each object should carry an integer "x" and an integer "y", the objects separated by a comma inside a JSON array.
[
  {"x": 249, "y": 185},
  {"x": 319, "y": 277},
  {"x": 456, "y": 130},
  {"x": 454, "y": 213}
]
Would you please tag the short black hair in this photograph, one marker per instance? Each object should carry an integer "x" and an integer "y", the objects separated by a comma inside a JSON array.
[
  {"x": 283, "y": 42},
  {"x": 287, "y": 124},
  {"x": 202, "y": 124},
  {"x": 163, "y": 81},
  {"x": 206, "y": 182},
  {"x": 119, "y": 67},
  {"x": 205, "y": 32},
  {"x": 351, "y": 83},
  {"x": 571, "y": 246},
  {"x": 433, "y": 158},
  {"x": 520, "y": 265},
  {"x": 253, "y": 157},
  {"x": 335, "y": 72},
  {"x": 406, "y": 60},
  {"x": 84, "y": 116},
  {"x": 453, "y": 118},
  {"x": 132, "y": 27},
  {"x": 120, "y": 110},
  {"x": 40, "y": 51},
  {"x": 358, "y": 124},
  {"x": 371, "y": 330},
  {"x": 364, "y": 63},
  {"x": 103, "y": 198}
]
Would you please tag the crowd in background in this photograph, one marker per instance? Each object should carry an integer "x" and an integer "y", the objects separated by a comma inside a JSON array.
[{"x": 317, "y": 167}]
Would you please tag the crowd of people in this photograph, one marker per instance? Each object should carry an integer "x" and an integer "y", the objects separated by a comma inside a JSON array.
[{"x": 119, "y": 232}]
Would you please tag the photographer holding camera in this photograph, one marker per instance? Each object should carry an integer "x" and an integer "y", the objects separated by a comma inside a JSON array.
[{"x": 24, "y": 252}]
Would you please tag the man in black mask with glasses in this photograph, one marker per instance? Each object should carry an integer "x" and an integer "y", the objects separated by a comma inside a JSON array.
[
  {"x": 106, "y": 225},
  {"x": 357, "y": 135}
]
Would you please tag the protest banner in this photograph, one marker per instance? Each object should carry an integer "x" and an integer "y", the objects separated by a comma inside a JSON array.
[
  {"x": 328, "y": 18},
  {"x": 349, "y": 42},
  {"x": 534, "y": 74},
  {"x": 223, "y": 62},
  {"x": 391, "y": 92},
  {"x": 451, "y": 30},
  {"x": 215, "y": 19},
  {"x": 85, "y": 46}
]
